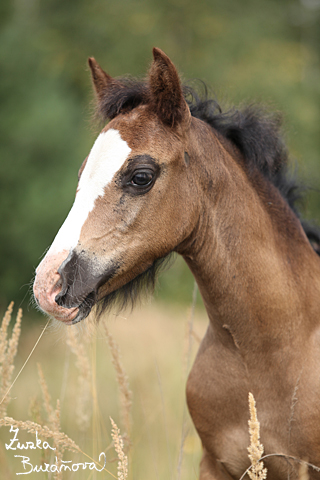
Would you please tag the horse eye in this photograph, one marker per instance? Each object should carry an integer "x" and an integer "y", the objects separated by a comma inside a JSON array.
[{"x": 142, "y": 179}]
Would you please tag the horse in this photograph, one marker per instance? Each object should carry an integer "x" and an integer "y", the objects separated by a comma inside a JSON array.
[{"x": 171, "y": 172}]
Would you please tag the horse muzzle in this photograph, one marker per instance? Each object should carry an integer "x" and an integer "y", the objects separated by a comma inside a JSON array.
[
  {"x": 66, "y": 284},
  {"x": 48, "y": 284}
]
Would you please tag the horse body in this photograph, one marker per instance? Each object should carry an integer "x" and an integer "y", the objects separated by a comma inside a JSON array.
[
  {"x": 259, "y": 279},
  {"x": 173, "y": 183}
]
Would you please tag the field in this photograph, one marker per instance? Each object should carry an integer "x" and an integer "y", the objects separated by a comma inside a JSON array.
[{"x": 133, "y": 371}]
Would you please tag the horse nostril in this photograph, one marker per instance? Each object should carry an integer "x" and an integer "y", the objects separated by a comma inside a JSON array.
[
  {"x": 78, "y": 281},
  {"x": 59, "y": 299},
  {"x": 65, "y": 272}
]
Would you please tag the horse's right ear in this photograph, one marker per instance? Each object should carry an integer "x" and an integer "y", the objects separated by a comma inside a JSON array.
[
  {"x": 100, "y": 79},
  {"x": 167, "y": 98}
]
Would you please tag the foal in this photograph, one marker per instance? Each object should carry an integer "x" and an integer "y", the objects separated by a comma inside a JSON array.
[{"x": 166, "y": 175}]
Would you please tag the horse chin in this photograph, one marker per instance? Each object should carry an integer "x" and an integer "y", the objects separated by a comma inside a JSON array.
[
  {"x": 82, "y": 314},
  {"x": 120, "y": 294},
  {"x": 66, "y": 316},
  {"x": 102, "y": 298},
  {"x": 71, "y": 311},
  {"x": 85, "y": 308}
]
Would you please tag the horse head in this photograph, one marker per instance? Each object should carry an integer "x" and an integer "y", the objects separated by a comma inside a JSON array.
[{"x": 133, "y": 203}]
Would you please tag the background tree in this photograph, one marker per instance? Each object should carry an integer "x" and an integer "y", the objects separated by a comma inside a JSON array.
[{"x": 255, "y": 51}]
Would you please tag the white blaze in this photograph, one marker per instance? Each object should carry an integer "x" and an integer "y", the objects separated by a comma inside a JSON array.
[{"x": 107, "y": 155}]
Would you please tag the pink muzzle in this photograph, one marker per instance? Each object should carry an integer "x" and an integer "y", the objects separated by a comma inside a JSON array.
[{"x": 47, "y": 286}]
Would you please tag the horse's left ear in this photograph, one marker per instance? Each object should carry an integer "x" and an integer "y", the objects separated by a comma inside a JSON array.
[
  {"x": 167, "y": 97},
  {"x": 100, "y": 79}
]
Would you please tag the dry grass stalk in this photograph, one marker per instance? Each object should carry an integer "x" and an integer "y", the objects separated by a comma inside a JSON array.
[
  {"x": 35, "y": 413},
  {"x": 59, "y": 448},
  {"x": 34, "y": 410},
  {"x": 4, "y": 467},
  {"x": 303, "y": 471},
  {"x": 53, "y": 420},
  {"x": 123, "y": 382},
  {"x": 190, "y": 336},
  {"x": 197, "y": 337},
  {"x": 4, "y": 332},
  {"x": 8, "y": 351},
  {"x": 118, "y": 445},
  {"x": 255, "y": 449},
  {"x": 46, "y": 398},
  {"x": 84, "y": 398}
]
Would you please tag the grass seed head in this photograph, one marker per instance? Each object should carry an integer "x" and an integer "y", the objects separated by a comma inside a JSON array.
[
  {"x": 118, "y": 445},
  {"x": 257, "y": 472}
]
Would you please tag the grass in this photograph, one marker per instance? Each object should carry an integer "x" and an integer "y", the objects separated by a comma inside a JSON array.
[
  {"x": 255, "y": 449},
  {"x": 130, "y": 368}
]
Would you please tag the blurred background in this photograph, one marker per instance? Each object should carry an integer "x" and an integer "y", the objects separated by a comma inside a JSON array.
[
  {"x": 247, "y": 51},
  {"x": 254, "y": 50}
]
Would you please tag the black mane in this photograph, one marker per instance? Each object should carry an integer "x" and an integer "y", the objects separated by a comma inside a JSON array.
[
  {"x": 253, "y": 130},
  {"x": 257, "y": 135}
]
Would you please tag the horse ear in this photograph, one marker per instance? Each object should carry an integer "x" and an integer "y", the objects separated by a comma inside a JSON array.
[
  {"x": 100, "y": 79},
  {"x": 166, "y": 92}
]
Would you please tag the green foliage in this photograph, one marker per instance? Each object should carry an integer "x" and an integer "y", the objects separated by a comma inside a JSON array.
[{"x": 248, "y": 50}]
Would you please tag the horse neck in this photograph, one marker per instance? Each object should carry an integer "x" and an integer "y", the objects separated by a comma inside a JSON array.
[{"x": 248, "y": 253}]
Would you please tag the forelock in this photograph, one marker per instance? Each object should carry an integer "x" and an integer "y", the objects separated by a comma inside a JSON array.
[{"x": 122, "y": 97}]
